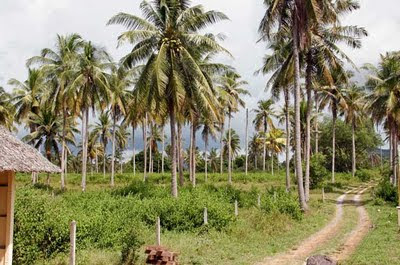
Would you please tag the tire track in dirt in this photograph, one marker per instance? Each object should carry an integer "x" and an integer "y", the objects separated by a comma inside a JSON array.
[{"x": 305, "y": 248}]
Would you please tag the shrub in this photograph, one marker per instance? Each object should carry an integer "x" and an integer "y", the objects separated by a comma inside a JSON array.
[
  {"x": 278, "y": 200},
  {"x": 317, "y": 170},
  {"x": 365, "y": 175},
  {"x": 387, "y": 192},
  {"x": 130, "y": 246}
]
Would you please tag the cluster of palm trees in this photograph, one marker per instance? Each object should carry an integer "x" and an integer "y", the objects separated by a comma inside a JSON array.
[{"x": 171, "y": 77}]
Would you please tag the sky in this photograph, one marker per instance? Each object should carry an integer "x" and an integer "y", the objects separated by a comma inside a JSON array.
[{"x": 27, "y": 26}]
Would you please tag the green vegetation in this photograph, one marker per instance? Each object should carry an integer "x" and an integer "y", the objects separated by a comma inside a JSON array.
[{"x": 117, "y": 223}]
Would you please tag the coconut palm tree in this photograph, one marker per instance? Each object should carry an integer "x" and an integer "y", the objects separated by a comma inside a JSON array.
[
  {"x": 354, "y": 112},
  {"x": 57, "y": 66},
  {"x": 210, "y": 127},
  {"x": 90, "y": 87},
  {"x": 256, "y": 145},
  {"x": 232, "y": 141},
  {"x": 275, "y": 140},
  {"x": 332, "y": 95},
  {"x": 232, "y": 86},
  {"x": 213, "y": 157},
  {"x": 27, "y": 96},
  {"x": 383, "y": 81},
  {"x": 168, "y": 39},
  {"x": 264, "y": 114},
  {"x": 119, "y": 82},
  {"x": 103, "y": 130},
  {"x": 7, "y": 110}
]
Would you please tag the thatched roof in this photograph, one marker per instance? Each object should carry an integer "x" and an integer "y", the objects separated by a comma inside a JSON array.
[{"x": 20, "y": 157}]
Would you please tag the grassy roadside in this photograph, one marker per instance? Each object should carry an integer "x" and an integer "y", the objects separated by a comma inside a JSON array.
[
  {"x": 253, "y": 236},
  {"x": 381, "y": 245}
]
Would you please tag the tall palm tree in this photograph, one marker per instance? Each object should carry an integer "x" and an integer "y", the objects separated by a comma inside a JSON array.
[
  {"x": 232, "y": 141},
  {"x": 103, "y": 130},
  {"x": 276, "y": 143},
  {"x": 354, "y": 111},
  {"x": 7, "y": 110},
  {"x": 119, "y": 82},
  {"x": 233, "y": 87},
  {"x": 332, "y": 95},
  {"x": 90, "y": 86},
  {"x": 264, "y": 114},
  {"x": 57, "y": 65},
  {"x": 27, "y": 96},
  {"x": 384, "y": 81},
  {"x": 168, "y": 39},
  {"x": 209, "y": 129}
]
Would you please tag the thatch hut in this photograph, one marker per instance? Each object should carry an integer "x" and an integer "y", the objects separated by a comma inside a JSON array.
[{"x": 15, "y": 156}]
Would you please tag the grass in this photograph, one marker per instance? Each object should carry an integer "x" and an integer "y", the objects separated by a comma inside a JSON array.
[
  {"x": 381, "y": 245},
  {"x": 253, "y": 236}
]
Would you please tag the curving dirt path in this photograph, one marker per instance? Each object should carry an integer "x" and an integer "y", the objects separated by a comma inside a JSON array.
[
  {"x": 299, "y": 254},
  {"x": 356, "y": 236}
]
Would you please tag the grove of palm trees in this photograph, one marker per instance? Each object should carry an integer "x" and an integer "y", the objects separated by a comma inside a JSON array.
[{"x": 303, "y": 169}]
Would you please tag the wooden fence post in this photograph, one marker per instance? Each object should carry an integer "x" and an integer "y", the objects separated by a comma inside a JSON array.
[
  {"x": 259, "y": 201},
  {"x": 236, "y": 208},
  {"x": 158, "y": 232},
  {"x": 205, "y": 216},
  {"x": 323, "y": 195},
  {"x": 72, "y": 237},
  {"x": 398, "y": 214}
]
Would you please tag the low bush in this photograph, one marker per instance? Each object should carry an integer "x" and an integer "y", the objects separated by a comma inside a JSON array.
[
  {"x": 387, "y": 192},
  {"x": 366, "y": 175},
  {"x": 318, "y": 172},
  {"x": 278, "y": 200}
]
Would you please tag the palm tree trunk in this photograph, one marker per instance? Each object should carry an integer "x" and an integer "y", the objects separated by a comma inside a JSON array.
[
  {"x": 265, "y": 143},
  {"x": 194, "y": 154},
  {"x": 63, "y": 148},
  {"x": 180, "y": 155},
  {"x": 113, "y": 149},
  {"x": 287, "y": 139},
  {"x": 308, "y": 126},
  {"x": 395, "y": 156},
  {"x": 334, "y": 117},
  {"x": 353, "y": 145},
  {"x": 221, "y": 152},
  {"x": 97, "y": 163},
  {"x": 316, "y": 120},
  {"x": 299, "y": 173},
  {"x": 162, "y": 150},
  {"x": 190, "y": 153},
  {"x": 205, "y": 158},
  {"x": 247, "y": 141},
  {"x": 134, "y": 150},
  {"x": 151, "y": 149},
  {"x": 85, "y": 117},
  {"x": 145, "y": 148},
  {"x": 174, "y": 185},
  {"x": 104, "y": 157},
  {"x": 229, "y": 150},
  {"x": 272, "y": 163}
]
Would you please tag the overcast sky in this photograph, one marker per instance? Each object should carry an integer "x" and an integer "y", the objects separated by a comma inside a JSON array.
[{"x": 27, "y": 26}]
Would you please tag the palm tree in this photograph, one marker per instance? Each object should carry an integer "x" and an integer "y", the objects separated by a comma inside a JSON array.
[
  {"x": 90, "y": 86},
  {"x": 275, "y": 140},
  {"x": 384, "y": 81},
  {"x": 355, "y": 107},
  {"x": 213, "y": 157},
  {"x": 332, "y": 96},
  {"x": 233, "y": 87},
  {"x": 264, "y": 114},
  {"x": 103, "y": 131},
  {"x": 57, "y": 65},
  {"x": 27, "y": 96},
  {"x": 209, "y": 129},
  {"x": 167, "y": 39},
  {"x": 256, "y": 145},
  {"x": 119, "y": 81},
  {"x": 232, "y": 141},
  {"x": 7, "y": 110}
]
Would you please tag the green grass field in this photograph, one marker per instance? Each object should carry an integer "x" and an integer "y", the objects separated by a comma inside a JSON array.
[{"x": 104, "y": 217}]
